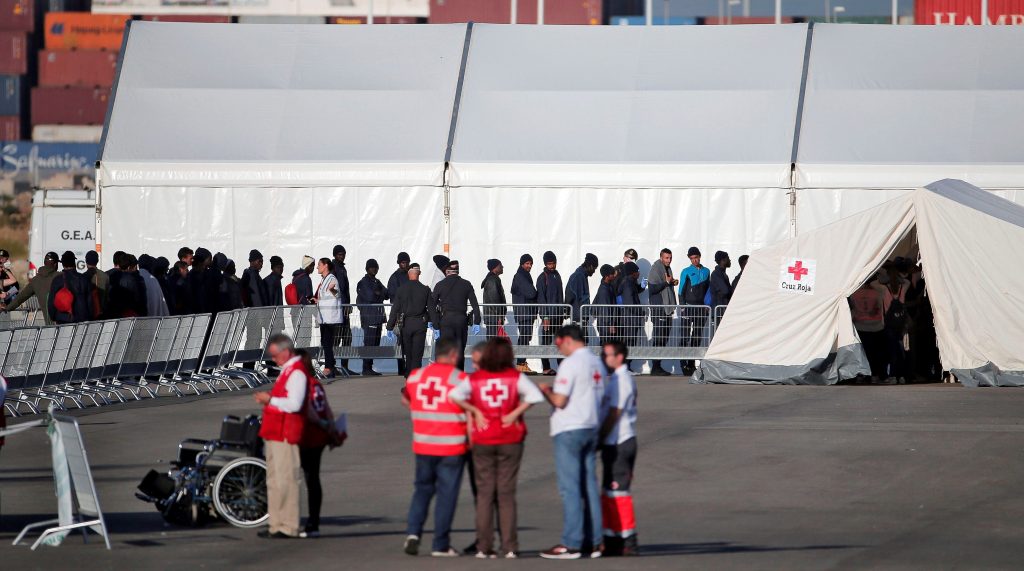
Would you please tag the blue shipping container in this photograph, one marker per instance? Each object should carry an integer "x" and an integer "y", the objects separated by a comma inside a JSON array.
[
  {"x": 657, "y": 21},
  {"x": 12, "y": 94},
  {"x": 48, "y": 165}
]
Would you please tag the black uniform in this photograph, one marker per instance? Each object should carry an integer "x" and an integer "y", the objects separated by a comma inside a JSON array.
[
  {"x": 448, "y": 310},
  {"x": 370, "y": 295},
  {"x": 410, "y": 302}
]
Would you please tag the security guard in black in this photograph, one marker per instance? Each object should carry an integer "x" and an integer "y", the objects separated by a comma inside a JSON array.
[
  {"x": 410, "y": 303},
  {"x": 448, "y": 308}
]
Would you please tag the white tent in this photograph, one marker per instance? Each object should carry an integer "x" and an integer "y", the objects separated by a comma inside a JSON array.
[
  {"x": 789, "y": 320},
  {"x": 286, "y": 138},
  {"x": 888, "y": 109},
  {"x": 582, "y": 139}
]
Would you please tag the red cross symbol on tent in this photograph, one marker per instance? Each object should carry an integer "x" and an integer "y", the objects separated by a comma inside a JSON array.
[
  {"x": 798, "y": 270},
  {"x": 494, "y": 393},
  {"x": 430, "y": 393}
]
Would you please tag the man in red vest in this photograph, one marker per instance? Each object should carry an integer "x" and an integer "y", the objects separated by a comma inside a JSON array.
[
  {"x": 439, "y": 440},
  {"x": 282, "y": 428}
]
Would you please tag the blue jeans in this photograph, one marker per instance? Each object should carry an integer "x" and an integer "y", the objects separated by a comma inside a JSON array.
[
  {"x": 441, "y": 475},
  {"x": 576, "y": 467}
]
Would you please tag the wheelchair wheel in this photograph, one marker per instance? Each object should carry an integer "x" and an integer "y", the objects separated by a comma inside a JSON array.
[{"x": 240, "y": 492}]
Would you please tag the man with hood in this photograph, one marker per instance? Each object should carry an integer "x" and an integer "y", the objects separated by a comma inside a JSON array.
[
  {"x": 156, "y": 305},
  {"x": 39, "y": 286},
  {"x": 632, "y": 315},
  {"x": 494, "y": 297},
  {"x": 160, "y": 267},
  {"x": 448, "y": 309},
  {"x": 177, "y": 277},
  {"x": 128, "y": 296},
  {"x": 441, "y": 263},
  {"x": 577, "y": 289},
  {"x": 232, "y": 291},
  {"x": 398, "y": 278},
  {"x": 205, "y": 283},
  {"x": 370, "y": 296},
  {"x": 524, "y": 308},
  {"x": 344, "y": 330},
  {"x": 549, "y": 295}
]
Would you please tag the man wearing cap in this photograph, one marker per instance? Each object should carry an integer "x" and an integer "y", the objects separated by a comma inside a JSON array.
[
  {"x": 39, "y": 286},
  {"x": 662, "y": 298},
  {"x": 605, "y": 310},
  {"x": 71, "y": 298},
  {"x": 632, "y": 315},
  {"x": 345, "y": 328},
  {"x": 254, "y": 290},
  {"x": 448, "y": 308},
  {"x": 398, "y": 278},
  {"x": 692, "y": 291},
  {"x": 272, "y": 283},
  {"x": 524, "y": 308},
  {"x": 99, "y": 280},
  {"x": 8, "y": 283},
  {"x": 204, "y": 283},
  {"x": 303, "y": 283},
  {"x": 577, "y": 289},
  {"x": 494, "y": 297},
  {"x": 370, "y": 296},
  {"x": 629, "y": 255},
  {"x": 409, "y": 314},
  {"x": 721, "y": 288},
  {"x": 549, "y": 295}
]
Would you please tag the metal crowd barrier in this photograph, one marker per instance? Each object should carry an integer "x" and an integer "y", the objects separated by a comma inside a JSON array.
[
  {"x": 659, "y": 332},
  {"x": 27, "y": 315},
  {"x": 530, "y": 327}
]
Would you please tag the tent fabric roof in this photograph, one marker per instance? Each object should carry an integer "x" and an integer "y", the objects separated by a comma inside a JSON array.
[
  {"x": 629, "y": 106},
  {"x": 221, "y": 104},
  {"x": 912, "y": 104}
]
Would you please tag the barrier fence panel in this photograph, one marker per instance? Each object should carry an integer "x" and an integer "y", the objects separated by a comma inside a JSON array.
[
  {"x": 130, "y": 373},
  {"x": 655, "y": 332},
  {"x": 367, "y": 341},
  {"x": 191, "y": 355},
  {"x": 160, "y": 352},
  {"x": 530, "y": 327},
  {"x": 719, "y": 313}
]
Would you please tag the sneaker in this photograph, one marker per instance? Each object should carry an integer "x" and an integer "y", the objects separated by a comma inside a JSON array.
[
  {"x": 446, "y": 553},
  {"x": 412, "y": 545},
  {"x": 310, "y": 534},
  {"x": 488, "y": 555},
  {"x": 511, "y": 555},
  {"x": 549, "y": 372},
  {"x": 561, "y": 552},
  {"x": 371, "y": 373},
  {"x": 659, "y": 372},
  {"x": 265, "y": 534},
  {"x": 525, "y": 369},
  {"x": 597, "y": 552}
]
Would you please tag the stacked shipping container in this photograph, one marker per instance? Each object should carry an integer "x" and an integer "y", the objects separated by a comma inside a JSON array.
[{"x": 17, "y": 22}]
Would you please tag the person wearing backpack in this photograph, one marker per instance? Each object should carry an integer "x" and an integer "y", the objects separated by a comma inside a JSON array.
[
  {"x": 71, "y": 298},
  {"x": 897, "y": 323}
]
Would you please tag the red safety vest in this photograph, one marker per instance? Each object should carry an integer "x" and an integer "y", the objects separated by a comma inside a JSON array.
[
  {"x": 438, "y": 425},
  {"x": 496, "y": 395},
  {"x": 278, "y": 425}
]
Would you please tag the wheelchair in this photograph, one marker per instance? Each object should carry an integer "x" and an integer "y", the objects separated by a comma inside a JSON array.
[{"x": 225, "y": 478}]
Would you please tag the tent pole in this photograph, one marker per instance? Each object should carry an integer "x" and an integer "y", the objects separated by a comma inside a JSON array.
[
  {"x": 515, "y": 9},
  {"x": 984, "y": 13},
  {"x": 895, "y": 12},
  {"x": 649, "y": 13},
  {"x": 99, "y": 215},
  {"x": 778, "y": 11},
  {"x": 369, "y": 12},
  {"x": 540, "y": 12}
]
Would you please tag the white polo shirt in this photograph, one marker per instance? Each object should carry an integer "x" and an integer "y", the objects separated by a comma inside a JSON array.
[
  {"x": 620, "y": 393},
  {"x": 581, "y": 378}
]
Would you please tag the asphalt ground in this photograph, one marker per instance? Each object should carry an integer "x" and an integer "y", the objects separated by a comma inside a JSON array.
[{"x": 728, "y": 477}]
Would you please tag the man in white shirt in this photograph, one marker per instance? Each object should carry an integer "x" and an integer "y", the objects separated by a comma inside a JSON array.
[
  {"x": 576, "y": 396},
  {"x": 618, "y": 453}
]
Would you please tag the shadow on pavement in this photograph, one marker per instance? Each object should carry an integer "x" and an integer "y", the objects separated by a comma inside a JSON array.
[{"x": 719, "y": 547}]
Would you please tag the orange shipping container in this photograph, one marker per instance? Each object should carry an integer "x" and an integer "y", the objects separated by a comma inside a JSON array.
[{"x": 82, "y": 30}]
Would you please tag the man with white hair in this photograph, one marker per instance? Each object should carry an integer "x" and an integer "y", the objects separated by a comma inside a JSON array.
[{"x": 409, "y": 315}]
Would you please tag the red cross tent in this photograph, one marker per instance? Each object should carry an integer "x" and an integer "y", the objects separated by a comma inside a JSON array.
[{"x": 789, "y": 320}]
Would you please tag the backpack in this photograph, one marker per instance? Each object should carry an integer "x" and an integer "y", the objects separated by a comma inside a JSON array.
[
  {"x": 291, "y": 294},
  {"x": 896, "y": 316},
  {"x": 64, "y": 300}
]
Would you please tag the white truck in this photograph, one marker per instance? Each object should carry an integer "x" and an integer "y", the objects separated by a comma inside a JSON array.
[{"x": 62, "y": 220}]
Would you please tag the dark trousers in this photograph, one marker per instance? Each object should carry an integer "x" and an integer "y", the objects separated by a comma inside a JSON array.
[
  {"x": 310, "y": 461},
  {"x": 440, "y": 476},
  {"x": 524, "y": 325},
  {"x": 692, "y": 333},
  {"x": 371, "y": 338},
  {"x": 547, "y": 337},
  {"x": 661, "y": 334},
  {"x": 874, "y": 350},
  {"x": 897, "y": 354},
  {"x": 327, "y": 331},
  {"x": 414, "y": 337},
  {"x": 455, "y": 328},
  {"x": 345, "y": 338},
  {"x": 497, "y": 473}
]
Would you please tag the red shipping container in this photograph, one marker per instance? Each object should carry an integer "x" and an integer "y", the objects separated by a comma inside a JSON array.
[
  {"x": 13, "y": 53},
  {"x": 69, "y": 105},
  {"x": 10, "y": 128},
  {"x": 80, "y": 68},
  {"x": 377, "y": 19},
  {"x": 736, "y": 20},
  {"x": 17, "y": 15},
  {"x": 583, "y": 12},
  {"x": 195, "y": 19},
  {"x": 968, "y": 12},
  {"x": 84, "y": 31}
]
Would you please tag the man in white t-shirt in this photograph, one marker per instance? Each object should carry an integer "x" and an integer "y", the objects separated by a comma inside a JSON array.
[
  {"x": 576, "y": 398},
  {"x": 618, "y": 453}
]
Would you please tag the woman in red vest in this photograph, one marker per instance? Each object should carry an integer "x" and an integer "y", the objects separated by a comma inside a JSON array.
[{"x": 497, "y": 395}]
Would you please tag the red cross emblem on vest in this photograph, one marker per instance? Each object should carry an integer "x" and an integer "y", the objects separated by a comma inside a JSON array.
[
  {"x": 798, "y": 270},
  {"x": 494, "y": 393},
  {"x": 597, "y": 377},
  {"x": 430, "y": 393}
]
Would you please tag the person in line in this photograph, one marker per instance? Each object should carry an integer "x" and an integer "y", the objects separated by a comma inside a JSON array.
[
  {"x": 272, "y": 283},
  {"x": 159, "y": 271},
  {"x": 575, "y": 399},
  {"x": 178, "y": 279},
  {"x": 631, "y": 315},
  {"x": 282, "y": 431},
  {"x": 497, "y": 395},
  {"x": 318, "y": 433},
  {"x": 128, "y": 291},
  {"x": 606, "y": 312},
  {"x": 39, "y": 286},
  {"x": 71, "y": 298},
  {"x": 302, "y": 282},
  {"x": 662, "y": 298},
  {"x": 896, "y": 321},
  {"x": 231, "y": 296},
  {"x": 721, "y": 288},
  {"x": 549, "y": 295},
  {"x": 99, "y": 280},
  {"x": 115, "y": 265},
  {"x": 398, "y": 278},
  {"x": 370, "y": 297},
  {"x": 410, "y": 316},
  {"x": 344, "y": 329},
  {"x": 867, "y": 310},
  {"x": 441, "y": 263},
  {"x": 330, "y": 314},
  {"x": 577, "y": 289},
  {"x": 494, "y": 297},
  {"x": 448, "y": 308},
  {"x": 692, "y": 291},
  {"x": 743, "y": 264},
  {"x": 630, "y": 255},
  {"x": 618, "y": 453},
  {"x": 524, "y": 308},
  {"x": 254, "y": 289},
  {"x": 439, "y": 441},
  {"x": 156, "y": 305},
  {"x": 204, "y": 282},
  {"x": 8, "y": 283},
  {"x": 185, "y": 255}
]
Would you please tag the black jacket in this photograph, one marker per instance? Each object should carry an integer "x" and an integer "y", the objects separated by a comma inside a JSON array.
[
  {"x": 127, "y": 295},
  {"x": 181, "y": 299},
  {"x": 254, "y": 289},
  {"x": 370, "y": 294},
  {"x": 577, "y": 291},
  {"x": 449, "y": 299},
  {"x": 205, "y": 290},
  {"x": 523, "y": 292},
  {"x": 303, "y": 286},
  {"x": 411, "y": 300},
  {"x": 721, "y": 289},
  {"x": 275, "y": 295},
  {"x": 628, "y": 296},
  {"x": 231, "y": 293},
  {"x": 397, "y": 280},
  {"x": 605, "y": 297},
  {"x": 83, "y": 308},
  {"x": 550, "y": 292},
  {"x": 343, "y": 286},
  {"x": 494, "y": 293}
]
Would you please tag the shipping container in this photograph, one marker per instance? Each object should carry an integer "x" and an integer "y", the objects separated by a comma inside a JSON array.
[
  {"x": 12, "y": 94},
  {"x": 67, "y": 133},
  {"x": 69, "y": 105},
  {"x": 19, "y": 15},
  {"x": 10, "y": 128},
  {"x": 13, "y": 53},
  {"x": 195, "y": 19},
  {"x": 377, "y": 19},
  {"x": 582, "y": 12},
  {"x": 736, "y": 20},
  {"x": 280, "y": 19},
  {"x": 968, "y": 12},
  {"x": 84, "y": 31},
  {"x": 655, "y": 21},
  {"x": 25, "y": 165},
  {"x": 79, "y": 68}
]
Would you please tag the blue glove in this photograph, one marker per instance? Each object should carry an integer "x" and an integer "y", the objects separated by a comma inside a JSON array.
[
  {"x": 643, "y": 283},
  {"x": 430, "y": 326},
  {"x": 437, "y": 334},
  {"x": 476, "y": 330},
  {"x": 391, "y": 335}
]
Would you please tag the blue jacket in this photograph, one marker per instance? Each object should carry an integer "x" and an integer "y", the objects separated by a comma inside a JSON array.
[
  {"x": 693, "y": 285},
  {"x": 549, "y": 291},
  {"x": 577, "y": 291}
]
